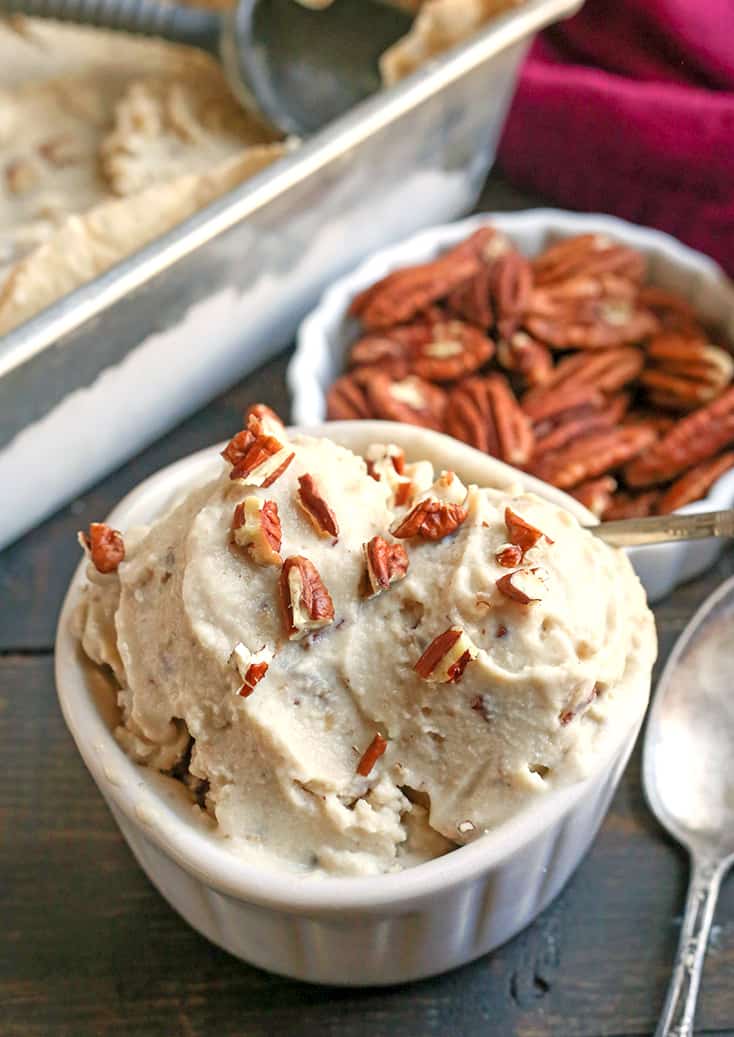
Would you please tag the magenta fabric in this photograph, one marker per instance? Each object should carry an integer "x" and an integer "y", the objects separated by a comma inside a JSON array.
[{"x": 628, "y": 108}]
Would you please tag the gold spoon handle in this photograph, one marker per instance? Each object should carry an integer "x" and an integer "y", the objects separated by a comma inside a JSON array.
[{"x": 660, "y": 528}]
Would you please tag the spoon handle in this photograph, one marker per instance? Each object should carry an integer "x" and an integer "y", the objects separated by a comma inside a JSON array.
[
  {"x": 659, "y": 528},
  {"x": 195, "y": 27},
  {"x": 678, "y": 1012}
]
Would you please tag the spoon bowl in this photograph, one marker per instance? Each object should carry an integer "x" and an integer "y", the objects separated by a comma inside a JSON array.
[{"x": 688, "y": 775}]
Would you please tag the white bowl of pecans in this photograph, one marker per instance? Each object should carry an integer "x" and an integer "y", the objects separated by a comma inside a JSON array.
[{"x": 589, "y": 352}]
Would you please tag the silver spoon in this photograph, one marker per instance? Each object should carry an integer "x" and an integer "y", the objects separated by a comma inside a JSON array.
[
  {"x": 299, "y": 67},
  {"x": 688, "y": 775},
  {"x": 660, "y": 528}
]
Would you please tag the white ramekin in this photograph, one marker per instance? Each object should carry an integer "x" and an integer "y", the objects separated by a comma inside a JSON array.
[
  {"x": 356, "y": 931},
  {"x": 327, "y": 332}
]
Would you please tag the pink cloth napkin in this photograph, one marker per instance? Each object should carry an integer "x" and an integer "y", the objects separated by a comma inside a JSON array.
[{"x": 628, "y": 108}]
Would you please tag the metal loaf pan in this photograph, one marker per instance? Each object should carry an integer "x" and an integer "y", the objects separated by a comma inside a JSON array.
[{"x": 114, "y": 364}]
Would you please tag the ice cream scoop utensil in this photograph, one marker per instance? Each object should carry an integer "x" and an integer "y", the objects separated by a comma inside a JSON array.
[
  {"x": 660, "y": 528},
  {"x": 299, "y": 67},
  {"x": 688, "y": 777}
]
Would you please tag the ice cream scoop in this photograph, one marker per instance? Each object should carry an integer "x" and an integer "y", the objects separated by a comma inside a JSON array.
[
  {"x": 297, "y": 66},
  {"x": 359, "y": 662}
]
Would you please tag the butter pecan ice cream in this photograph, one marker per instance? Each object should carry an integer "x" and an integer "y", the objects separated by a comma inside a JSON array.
[{"x": 360, "y": 663}]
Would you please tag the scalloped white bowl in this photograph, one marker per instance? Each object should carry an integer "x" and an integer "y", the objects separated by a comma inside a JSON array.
[
  {"x": 327, "y": 332},
  {"x": 355, "y": 931}
]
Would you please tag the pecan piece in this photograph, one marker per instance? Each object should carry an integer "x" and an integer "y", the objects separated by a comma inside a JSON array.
[
  {"x": 371, "y": 755},
  {"x": 697, "y": 437},
  {"x": 270, "y": 423},
  {"x": 439, "y": 351},
  {"x": 21, "y": 176},
  {"x": 485, "y": 413},
  {"x": 256, "y": 527},
  {"x": 317, "y": 511},
  {"x": 695, "y": 484},
  {"x": 511, "y": 282},
  {"x": 305, "y": 601},
  {"x": 631, "y": 505},
  {"x": 446, "y": 657},
  {"x": 346, "y": 399},
  {"x": 413, "y": 400},
  {"x": 104, "y": 545},
  {"x": 263, "y": 458},
  {"x": 596, "y": 494},
  {"x": 509, "y": 556},
  {"x": 399, "y": 296},
  {"x": 592, "y": 455},
  {"x": 592, "y": 373},
  {"x": 589, "y": 255},
  {"x": 521, "y": 532},
  {"x": 527, "y": 586},
  {"x": 430, "y": 519},
  {"x": 684, "y": 371},
  {"x": 522, "y": 355},
  {"x": 251, "y": 666},
  {"x": 385, "y": 564},
  {"x": 386, "y": 463}
]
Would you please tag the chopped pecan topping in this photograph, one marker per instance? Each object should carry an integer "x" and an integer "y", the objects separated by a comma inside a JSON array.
[
  {"x": 509, "y": 556},
  {"x": 104, "y": 545},
  {"x": 306, "y": 603},
  {"x": 371, "y": 755},
  {"x": 259, "y": 458},
  {"x": 386, "y": 563},
  {"x": 521, "y": 532},
  {"x": 527, "y": 586},
  {"x": 270, "y": 423},
  {"x": 251, "y": 666},
  {"x": 384, "y": 460},
  {"x": 430, "y": 519},
  {"x": 61, "y": 150},
  {"x": 21, "y": 176},
  {"x": 256, "y": 527},
  {"x": 446, "y": 657},
  {"x": 315, "y": 508}
]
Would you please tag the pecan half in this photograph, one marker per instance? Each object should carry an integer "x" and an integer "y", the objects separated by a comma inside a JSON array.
[
  {"x": 695, "y": 484},
  {"x": 521, "y": 532},
  {"x": 104, "y": 545},
  {"x": 527, "y": 586},
  {"x": 526, "y": 357},
  {"x": 251, "y": 666},
  {"x": 596, "y": 494},
  {"x": 471, "y": 300},
  {"x": 412, "y": 400},
  {"x": 385, "y": 564},
  {"x": 595, "y": 324},
  {"x": 580, "y": 378},
  {"x": 256, "y": 527},
  {"x": 440, "y": 351},
  {"x": 685, "y": 371},
  {"x": 697, "y": 437},
  {"x": 511, "y": 282},
  {"x": 401, "y": 295},
  {"x": 590, "y": 255},
  {"x": 371, "y": 755},
  {"x": 346, "y": 399},
  {"x": 317, "y": 511},
  {"x": 631, "y": 505},
  {"x": 306, "y": 603},
  {"x": 485, "y": 413},
  {"x": 592, "y": 455},
  {"x": 580, "y": 421},
  {"x": 672, "y": 311},
  {"x": 446, "y": 657}
]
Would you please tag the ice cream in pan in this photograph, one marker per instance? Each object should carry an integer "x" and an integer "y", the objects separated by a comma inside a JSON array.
[{"x": 358, "y": 664}]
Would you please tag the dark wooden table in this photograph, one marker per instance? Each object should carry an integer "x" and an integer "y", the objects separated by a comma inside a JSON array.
[{"x": 89, "y": 947}]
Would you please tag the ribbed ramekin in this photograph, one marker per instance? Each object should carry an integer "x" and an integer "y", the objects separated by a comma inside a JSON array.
[
  {"x": 327, "y": 332},
  {"x": 355, "y": 931}
]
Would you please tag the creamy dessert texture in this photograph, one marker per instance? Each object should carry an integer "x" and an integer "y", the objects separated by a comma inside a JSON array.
[{"x": 364, "y": 662}]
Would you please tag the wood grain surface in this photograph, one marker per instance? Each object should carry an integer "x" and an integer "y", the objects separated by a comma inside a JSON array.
[{"x": 88, "y": 947}]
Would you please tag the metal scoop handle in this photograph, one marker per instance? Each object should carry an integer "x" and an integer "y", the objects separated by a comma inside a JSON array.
[
  {"x": 188, "y": 25},
  {"x": 660, "y": 528}
]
